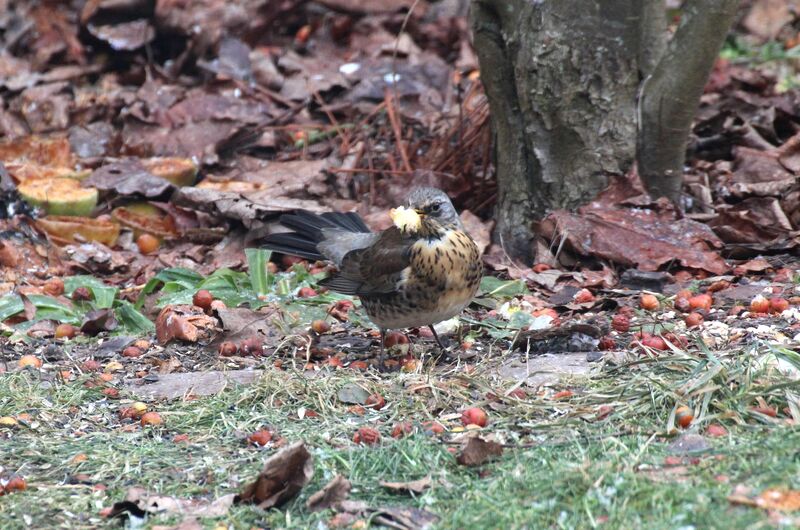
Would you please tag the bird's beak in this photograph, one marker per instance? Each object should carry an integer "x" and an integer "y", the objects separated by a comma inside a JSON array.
[{"x": 421, "y": 213}]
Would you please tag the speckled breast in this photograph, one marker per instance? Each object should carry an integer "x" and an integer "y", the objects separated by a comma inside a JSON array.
[{"x": 440, "y": 281}]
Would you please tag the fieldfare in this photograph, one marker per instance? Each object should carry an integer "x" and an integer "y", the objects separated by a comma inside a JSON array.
[{"x": 422, "y": 270}]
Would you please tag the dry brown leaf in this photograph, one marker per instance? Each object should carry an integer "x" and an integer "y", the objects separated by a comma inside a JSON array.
[
  {"x": 414, "y": 486},
  {"x": 284, "y": 475},
  {"x": 781, "y": 499},
  {"x": 329, "y": 496},
  {"x": 139, "y": 502},
  {"x": 183, "y": 322},
  {"x": 477, "y": 451}
]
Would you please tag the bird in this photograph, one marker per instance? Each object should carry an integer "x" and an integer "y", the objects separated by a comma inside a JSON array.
[{"x": 422, "y": 270}]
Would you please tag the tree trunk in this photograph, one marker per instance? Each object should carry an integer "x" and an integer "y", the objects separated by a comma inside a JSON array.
[
  {"x": 563, "y": 78},
  {"x": 670, "y": 95}
]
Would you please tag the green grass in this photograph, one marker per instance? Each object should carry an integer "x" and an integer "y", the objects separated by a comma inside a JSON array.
[{"x": 563, "y": 467}]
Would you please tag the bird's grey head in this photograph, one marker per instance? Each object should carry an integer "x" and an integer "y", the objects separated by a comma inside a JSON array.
[{"x": 434, "y": 204}]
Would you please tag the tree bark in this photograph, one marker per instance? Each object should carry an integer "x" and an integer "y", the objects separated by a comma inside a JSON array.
[
  {"x": 671, "y": 94},
  {"x": 562, "y": 80}
]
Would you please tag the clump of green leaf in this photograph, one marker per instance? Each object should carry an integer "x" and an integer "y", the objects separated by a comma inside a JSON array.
[{"x": 49, "y": 308}]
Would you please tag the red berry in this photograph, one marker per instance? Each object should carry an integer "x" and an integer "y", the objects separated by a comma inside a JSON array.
[
  {"x": 228, "y": 349},
  {"x": 151, "y": 418},
  {"x": 474, "y": 416},
  {"x": 759, "y": 304},
  {"x": 260, "y": 438},
  {"x": 701, "y": 301},
  {"x": 306, "y": 292},
  {"x": 583, "y": 296},
  {"x": 693, "y": 320},
  {"x": 367, "y": 436},
  {"x": 147, "y": 243},
  {"x": 621, "y": 323},
  {"x": 65, "y": 331},
  {"x": 358, "y": 365},
  {"x": 648, "y": 302},
  {"x": 203, "y": 299},
  {"x": 433, "y": 427},
  {"x": 132, "y": 352},
  {"x": 778, "y": 305},
  {"x": 402, "y": 429},
  {"x": 607, "y": 343},
  {"x": 541, "y": 267},
  {"x": 684, "y": 416},
  {"x": 320, "y": 327},
  {"x": 53, "y": 287},
  {"x": 375, "y": 401},
  {"x": 654, "y": 342}
]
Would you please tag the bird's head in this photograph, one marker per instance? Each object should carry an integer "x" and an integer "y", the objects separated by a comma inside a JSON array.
[{"x": 428, "y": 212}]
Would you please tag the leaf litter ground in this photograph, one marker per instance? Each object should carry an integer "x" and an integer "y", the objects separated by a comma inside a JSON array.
[{"x": 319, "y": 105}]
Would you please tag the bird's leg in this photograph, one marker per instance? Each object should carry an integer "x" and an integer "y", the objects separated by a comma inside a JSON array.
[
  {"x": 435, "y": 336},
  {"x": 381, "y": 366}
]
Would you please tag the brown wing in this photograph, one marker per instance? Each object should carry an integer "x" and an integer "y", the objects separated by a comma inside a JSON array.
[{"x": 375, "y": 269}]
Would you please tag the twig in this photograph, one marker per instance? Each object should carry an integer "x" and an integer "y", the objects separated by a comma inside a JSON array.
[{"x": 394, "y": 120}]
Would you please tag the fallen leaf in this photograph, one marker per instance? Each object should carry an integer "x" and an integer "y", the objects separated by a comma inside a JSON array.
[
  {"x": 477, "y": 451},
  {"x": 98, "y": 321},
  {"x": 641, "y": 237},
  {"x": 781, "y": 499},
  {"x": 414, "y": 486},
  {"x": 284, "y": 475},
  {"x": 139, "y": 502},
  {"x": 128, "y": 177},
  {"x": 183, "y": 322},
  {"x": 329, "y": 496}
]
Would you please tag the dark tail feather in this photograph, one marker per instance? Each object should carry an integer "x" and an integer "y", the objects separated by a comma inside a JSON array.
[{"x": 307, "y": 232}]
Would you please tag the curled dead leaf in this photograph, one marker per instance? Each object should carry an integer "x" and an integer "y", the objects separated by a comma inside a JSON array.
[
  {"x": 285, "y": 473},
  {"x": 329, "y": 496},
  {"x": 477, "y": 451}
]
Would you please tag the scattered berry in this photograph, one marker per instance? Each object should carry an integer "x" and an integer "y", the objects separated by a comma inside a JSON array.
[
  {"x": 132, "y": 352},
  {"x": 367, "y": 436},
  {"x": 375, "y": 401},
  {"x": 29, "y": 361},
  {"x": 228, "y": 349},
  {"x": 684, "y": 416},
  {"x": 474, "y": 416},
  {"x": 53, "y": 287},
  {"x": 203, "y": 299},
  {"x": 151, "y": 418},
  {"x": 147, "y": 243},
  {"x": 648, "y": 302},
  {"x": 759, "y": 304},
  {"x": 66, "y": 331},
  {"x": 260, "y": 438},
  {"x": 693, "y": 320},
  {"x": 541, "y": 267},
  {"x": 306, "y": 292},
  {"x": 701, "y": 301},
  {"x": 621, "y": 323},
  {"x": 583, "y": 296},
  {"x": 358, "y": 365},
  {"x": 402, "y": 429},
  {"x": 320, "y": 327},
  {"x": 433, "y": 427},
  {"x": 778, "y": 305}
]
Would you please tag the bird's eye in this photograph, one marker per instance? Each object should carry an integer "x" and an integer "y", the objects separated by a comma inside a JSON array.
[{"x": 435, "y": 207}]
